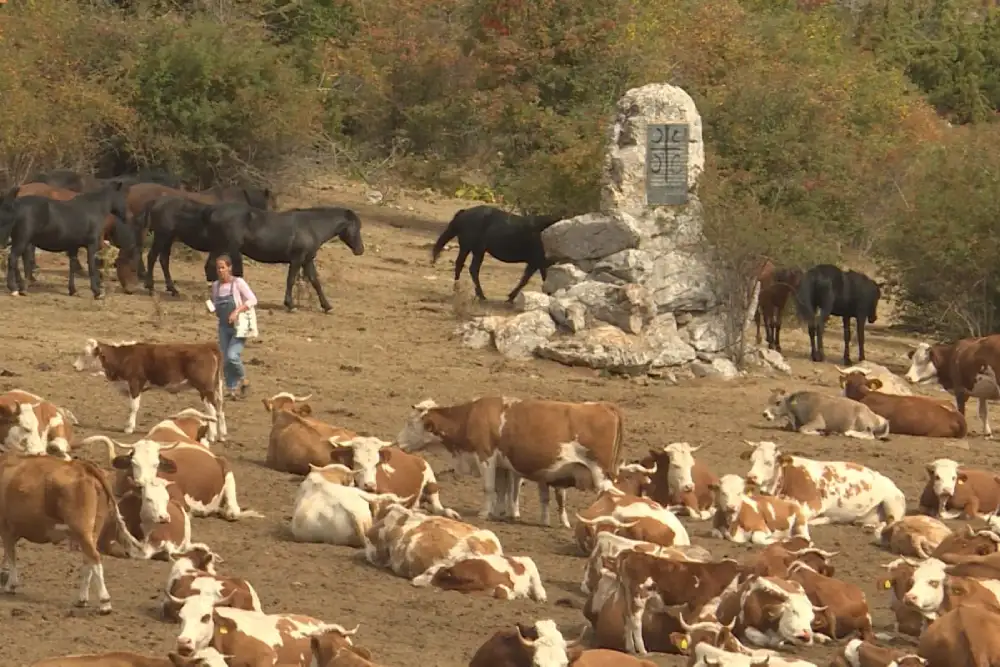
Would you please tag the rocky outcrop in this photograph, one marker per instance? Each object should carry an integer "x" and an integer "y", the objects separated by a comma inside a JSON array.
[{"x": 629, "y": 291}]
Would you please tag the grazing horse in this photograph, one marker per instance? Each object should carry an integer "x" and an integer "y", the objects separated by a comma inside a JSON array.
[
  {"x": 508, "y": 237},
  {"x": 169, "y": 219},
  {"x": 775, "y": 287},
  {"x": 849, "y": 294},
  {"x": 290, "y": 237},
  {"x": 64, "y": 226}
]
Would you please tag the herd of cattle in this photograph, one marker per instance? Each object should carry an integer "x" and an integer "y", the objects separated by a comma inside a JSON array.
[{"x": 647, "y": 587}]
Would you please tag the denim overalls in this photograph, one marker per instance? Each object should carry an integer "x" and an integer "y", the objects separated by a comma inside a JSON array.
[{"x": 229, "y": 344}]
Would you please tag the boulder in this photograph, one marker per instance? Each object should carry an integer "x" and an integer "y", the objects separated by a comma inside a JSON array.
[
  {"x": 707, "y": 333},
  {"x": 603, "y": 347},
  {"x": 590, "y": 236},
  {"x": 719, "y": 367},
  {"x": 562, "y": 276},
  {"x": 478, "y": 333},
  {"x": 527, "y": 301},
  {"x": 627, "y": 306},
  {"x": 518, "y": 337}
]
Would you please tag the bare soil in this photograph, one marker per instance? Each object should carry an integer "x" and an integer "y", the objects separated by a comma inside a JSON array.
[{"x": 387, "y": 345}]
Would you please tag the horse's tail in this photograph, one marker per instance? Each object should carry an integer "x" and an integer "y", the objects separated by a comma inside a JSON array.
[
  {"x": 450, "y": 232},
  {"x": 7, "y": 219},
  {"x": 805, "y": 304}
]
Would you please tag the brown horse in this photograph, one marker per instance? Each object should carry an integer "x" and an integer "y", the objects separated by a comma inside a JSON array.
[
  {"x": 775, "y": 287},
  {"x": 127, "y": 276}
]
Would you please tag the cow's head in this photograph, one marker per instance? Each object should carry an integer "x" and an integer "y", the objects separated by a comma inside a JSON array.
[
  {"x": 288, "y": 402},
  {"x": 144, "y": 461},
  {"x": 856, "y": 384},
  {"x": 155, "y": 504},
  {"x": 635, "y": 478},
  {"x": 712, "y": 633},
  {"x": 545, "y": 644},
  {"x": 944, "y": 477},
  {"x": 729, "y": 494},
  {"x": 764, "y": 461},
  {"x": 330, "y": 640},
  {"x": 922, "y": 367},
  {"x": 420, "y": 429},
  {"x": 90, "y": 358},
  {"x": 681, "y": 466},
  {"x": 785, "y": 603},
  {"x": 206, "y": 657},
  {"x": 362, "y": 455},
  {"x": 24, "y": 427},
  {"x": 198, "y": 556},
  {"x": 777, "y": 405},
  {"x": 927, "y": 591},
  {"x": 197, "y": 620}
]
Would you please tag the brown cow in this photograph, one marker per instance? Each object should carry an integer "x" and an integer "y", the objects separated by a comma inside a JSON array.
[
  {"x": 680, "y": 479},
  {"x": 775, "y": 287},
  {"x": 844, "y": 605},
  {"x": 968, "y": 542},
  {"x": 553, "y": 443},
  {"x": 632, "y": 517},
  {"x": 156, "y": 515},
  {"x": 173, "y": 367},
  {"x": 34, "y": 425},
  {"x": 44, "y": 500},
  {"x": 966, "y": 636},
  {"x": 298, "y": 440},
  {"x": 909, "y": 620},
  {"x": 774, "y": 559},
  {"x": 916, "y": 536},
  {"x": 608, "y": 545},
  {"x": 189, "y": 425},
  {"x": 907, "y": 415},
  {"x": 503, "y": 577},
  {"x": 193, "y": 573},
  {"x": 207, "y": 657},
  {"x": 769, "y": 612},
  {"x": 331, "y": 649},
  {"x": 519, "y": 646},
  {"x": 953, "y": 491}
]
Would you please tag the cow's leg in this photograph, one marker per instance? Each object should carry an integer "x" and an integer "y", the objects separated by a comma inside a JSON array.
[
  {"x": 814, "y": 427},
  {"x": 860, "y": 435},
  {"x": 813, "y": 332},
  {"x": 984, "y": 416},
  {"x": 488, "y": 469},
  {"x": 561, "y": 504},
  {"x": 514, "y": 496},
  {"x": 777, "y": 331},
  {"x": 543, "y": 501},
  {"x": 213, "y": 408},
  {"x": 230, "y": 505},
  {"x": 762, "y": 538},
  {"x": 312, "y": 275},
  {"x": 634, "y": 611},
  {"x": 8, "y": 571},
  {"x": 432, "y": 494},
  {"x": 12, "y": 283},
  {"x": 477, "y": 263},
  {"x": 72, "y": 277}
]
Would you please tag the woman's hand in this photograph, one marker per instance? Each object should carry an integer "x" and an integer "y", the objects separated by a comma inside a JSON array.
[{"x": 233, "y": 315}]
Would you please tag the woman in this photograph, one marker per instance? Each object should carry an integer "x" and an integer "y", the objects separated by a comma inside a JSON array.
[{"x": 230, "y": 297}]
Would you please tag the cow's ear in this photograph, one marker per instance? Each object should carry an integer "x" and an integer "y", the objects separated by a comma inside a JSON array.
[
  {"x": 713, "y": 487},
  {"x": 121, "y": 462},
  {"x": 304, "y": 410},
  {"x": 746, "y": 454},
  {"x": 843, "y": 380},
  {"x": 167, "y": 465},
  {"x": 909, "y": 355},
  {"x": 267, "y": 404},
  {"x": 784, "y": 459},
  {"x": 383, "y": 455},
  {"x": 962, "y": 477},
  {"x": 875, "y": 384}
]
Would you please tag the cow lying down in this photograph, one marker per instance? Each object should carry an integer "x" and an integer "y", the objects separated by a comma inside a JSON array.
[{"x": 813, "y": 413}]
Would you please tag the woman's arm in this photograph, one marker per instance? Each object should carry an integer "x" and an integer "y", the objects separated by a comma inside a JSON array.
[{"x": 248, "y": 297}]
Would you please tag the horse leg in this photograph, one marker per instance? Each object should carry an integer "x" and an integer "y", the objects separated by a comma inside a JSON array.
[
  {"x": 14, "y": 285},
  {"x": 477, "y": 263},
  {"x": 293, "y": 273},
  {"x": 861, "y": 338},
  {"x": 95, "y": 275},
  {"x": 154, "y": 253},
  {"x": 847, "y": 341},
  {"x": 30, "y": 269},
  {"x": 756, "y": 320},
  {"x": 528, "y": 272},
  {"x": 74, "y": 263},
  {"x": 312, "y": 275},
  {"x": 777, "y": 331}
]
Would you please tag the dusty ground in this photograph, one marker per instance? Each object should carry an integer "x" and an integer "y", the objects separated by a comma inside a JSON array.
[{"x": 385, "y": 346}]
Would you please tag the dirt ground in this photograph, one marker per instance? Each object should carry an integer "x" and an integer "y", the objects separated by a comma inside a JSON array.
[{"x": 386, "y": 345}]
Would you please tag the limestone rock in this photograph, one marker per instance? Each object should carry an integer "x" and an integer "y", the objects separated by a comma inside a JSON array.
[
  {"x": 719, "y": 367},
  {"x": 665, "y": 341},
  {"x": 478, "y": 333},
  {"x": 630, "y": 266},
  {"x": 627, "y": 306},
  {"x": 562, "y": 276},
  {"x": 590, "y": 236},
  {"x": 569, "y": 314},
  {"x": 518, "y": 337},
  {"x": 768, "y": 358},
  {"x": 679, "y": 282},
  {"x": 706, "y": 333},
  {"x": 604, "y": 347},
  {"x": 528, "y": 301}
]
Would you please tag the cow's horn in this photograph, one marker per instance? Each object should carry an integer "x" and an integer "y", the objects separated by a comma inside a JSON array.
[
  {"x": 167, "y": 448},
  {"x": 299, "y": 399},
  {"x": 176, "y": 600}
]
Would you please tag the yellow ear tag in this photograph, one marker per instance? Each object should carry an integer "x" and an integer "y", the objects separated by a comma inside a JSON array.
[
  {"x": 684, "y": 644},
  {"x": 886, "y": 584},
  {"x": 223, "y": 631}
]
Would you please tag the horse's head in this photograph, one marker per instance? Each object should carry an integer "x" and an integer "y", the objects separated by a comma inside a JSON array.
[
  {"x": 114, "y": 193},
  {"x": 350, "y": 235},
  {"x": 543, "y": 222},
  {"x": 262, "y": 198}
]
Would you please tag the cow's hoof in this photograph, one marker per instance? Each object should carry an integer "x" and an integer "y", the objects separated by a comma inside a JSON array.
[
  {"x": 80, "y": 603},
  {"x": 105, "y": 608}
]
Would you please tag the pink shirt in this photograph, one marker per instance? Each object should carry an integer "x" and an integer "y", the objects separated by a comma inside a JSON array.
[{"x": 238, "y": 288}]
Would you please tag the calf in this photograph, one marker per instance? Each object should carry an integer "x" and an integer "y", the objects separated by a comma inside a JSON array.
[
  {"x": 329, "y": 509},
  {"x": 409, "y": 542},
  {"x": 916, "y": 536},
  {"x": 207, "y": 657},
  {"x": 909, "y": 620},
  {"x": 503, "y": 577},
  {"x": 608, "y": 545},
  {"x": 298, "y": 441},
  {"x": 188, "y": 425},
  {"x": 907, "y": 415},
  {"x": 249, "y": 637},
  {"x": 828, "y": 491},
  {"x": 860, "y": 653},
  {"x": 844, "y": 605},
  {"x": 33, "y": 425},
  {"x": 44, "y": 500},
  {"x": 204, "y": 478},
  {"x": 382, "y": 468},
  {"x": 632, "y": 517},
  {"x": 964, "y": 636},
  {"x": 934, "y": 590},
  {"x": 538, "y": 645},
  {"x": 552, "y": 443},
  {"x": 891, "y": 383},
  {"x": 813, "y": 413},
  {"x": 758, "y": 519},
  {"x": 776, "y": 285},
  {"x": 173, "y": 367},
  {"x": 961, "y": 368},
  {"x": 193, "y": 573},
  {"x": 769, "y": 612},
  {"x": 775, "y": 559},
  {"x": 952, "y": 492},
  {"x": 157, "y": 517},
  {"x": 679, "y": 479}
]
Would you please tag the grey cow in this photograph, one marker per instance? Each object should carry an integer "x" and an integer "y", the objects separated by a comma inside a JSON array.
[{"x": 813, "y": 413}]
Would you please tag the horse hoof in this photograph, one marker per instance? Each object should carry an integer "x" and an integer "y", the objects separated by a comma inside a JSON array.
[
  {"x": 99, "y": 296},
  {"x": 15, "y": 293}
]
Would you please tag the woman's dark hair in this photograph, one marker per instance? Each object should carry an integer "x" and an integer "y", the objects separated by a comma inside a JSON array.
[{"x": 225, "y": 258}]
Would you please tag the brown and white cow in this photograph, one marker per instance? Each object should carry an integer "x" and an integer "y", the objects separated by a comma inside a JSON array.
[
  {"x": 907, "y": 415},
  {"x": 189, "y": 425},
  {"x": 33, "y": 425},
  {"x": 775, "y": 559},
  {"x": 553, "y": 443},
  {"x": 193, "y": 573},
  {"x": 965, "y": 636},
  {"x": 157, "y": 517},
  {"x": 538, "y": 645},
  {"x": 769, "y": 612},
  {"x": 632, "y": 517},
  {"x": 204, "y": 478},
  {"x": 382, "y": 468},
  {"x": 968, "y": 542},
  {"x": 844, "y": 605},
  {"x": 207, "y": 657},
  {"x": 409, "y": 542},
  {"x": 608, "y": 545},
  {"x": 681, "y": 480},
  {"x": 829, "y": 491},
  {"x": 954, "y": 491},
  {"x": 935, "y": 590},
  {"x": 898, "y": 580},
  {"x": 137, "y": 367},
  {"x": 249, "y": 637},
  {"x": 298, "y": 440},
  {"x": 602, "y": 657},
  {"x": 916, "y": 536},
  {"x": 860, "y": 653},
  {"x": 958, "y": 367},
  {"x": 503, "y": 577},
  {"x": 45, "y": 500},
  {"x": 331, "y": 649},
  {"x": 742, "y": 518}
]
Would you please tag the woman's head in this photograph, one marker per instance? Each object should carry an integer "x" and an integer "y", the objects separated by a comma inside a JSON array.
[{"x": 224, "y": 268}]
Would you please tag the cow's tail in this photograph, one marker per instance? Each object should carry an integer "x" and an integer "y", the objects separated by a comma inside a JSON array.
[
  {"x": 616, "y": 450},
  {"x": 450, "y": 232},
  {"x": 125, "y": 538}
]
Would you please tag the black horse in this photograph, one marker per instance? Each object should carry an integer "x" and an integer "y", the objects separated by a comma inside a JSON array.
[
  {"x": 64, "y": 226},
  {"x": 508, "y": 237},
  {"x": 289, "y": 237},
  {"x": 831, "y": 291},
  {"x": 173, "y": 219}
]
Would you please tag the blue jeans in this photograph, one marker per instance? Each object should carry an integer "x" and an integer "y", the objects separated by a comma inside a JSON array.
[{"x": 232, "y": 349}]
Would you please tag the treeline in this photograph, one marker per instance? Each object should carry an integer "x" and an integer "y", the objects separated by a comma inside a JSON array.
[{"x": 825, "y": 122}]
